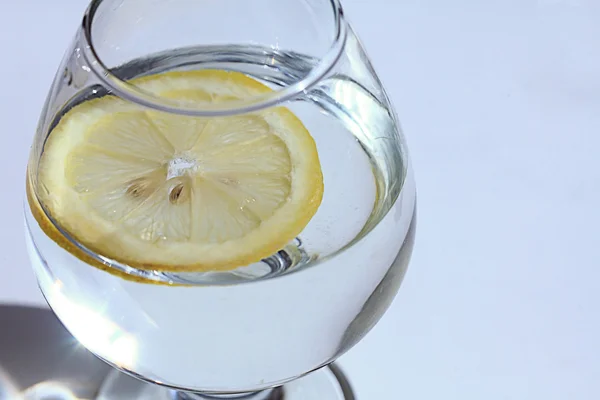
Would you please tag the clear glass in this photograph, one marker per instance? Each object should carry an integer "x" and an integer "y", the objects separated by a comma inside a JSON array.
[{"x": 258, "y": 327}]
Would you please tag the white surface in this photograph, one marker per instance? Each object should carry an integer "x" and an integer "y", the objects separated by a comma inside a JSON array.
[{"x": 500, "y": 101}]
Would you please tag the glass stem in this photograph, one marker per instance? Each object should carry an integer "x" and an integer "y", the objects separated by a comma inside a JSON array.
[{"x": 270, "y": 394}]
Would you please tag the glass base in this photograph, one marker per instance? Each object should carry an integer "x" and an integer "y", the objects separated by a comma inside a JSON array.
[{"x": 328, "y": 383}]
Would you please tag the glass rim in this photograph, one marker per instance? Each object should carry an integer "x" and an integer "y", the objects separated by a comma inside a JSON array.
[{"x": 129, "y": 92}]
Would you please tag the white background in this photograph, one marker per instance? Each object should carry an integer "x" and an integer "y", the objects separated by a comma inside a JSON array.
[{"x": 500, "y": 101}]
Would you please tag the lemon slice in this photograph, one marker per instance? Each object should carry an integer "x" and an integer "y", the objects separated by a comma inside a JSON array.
[{"x": 175, "y": 193}]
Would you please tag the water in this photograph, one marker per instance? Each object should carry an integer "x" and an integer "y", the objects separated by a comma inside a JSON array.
[{"x": 265, "y": 323}]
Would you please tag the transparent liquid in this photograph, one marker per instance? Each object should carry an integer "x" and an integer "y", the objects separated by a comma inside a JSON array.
[{"x": 272, "y": 321}]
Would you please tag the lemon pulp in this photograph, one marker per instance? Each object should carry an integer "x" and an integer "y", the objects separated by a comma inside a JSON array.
[{"x": 175, "y": 193}]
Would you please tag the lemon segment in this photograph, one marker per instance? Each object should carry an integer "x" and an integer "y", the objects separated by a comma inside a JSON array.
[{"x": 176, "y": 193}]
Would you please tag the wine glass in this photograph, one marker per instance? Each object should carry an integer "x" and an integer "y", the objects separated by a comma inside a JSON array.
[{"x": 265, "y": 328}]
